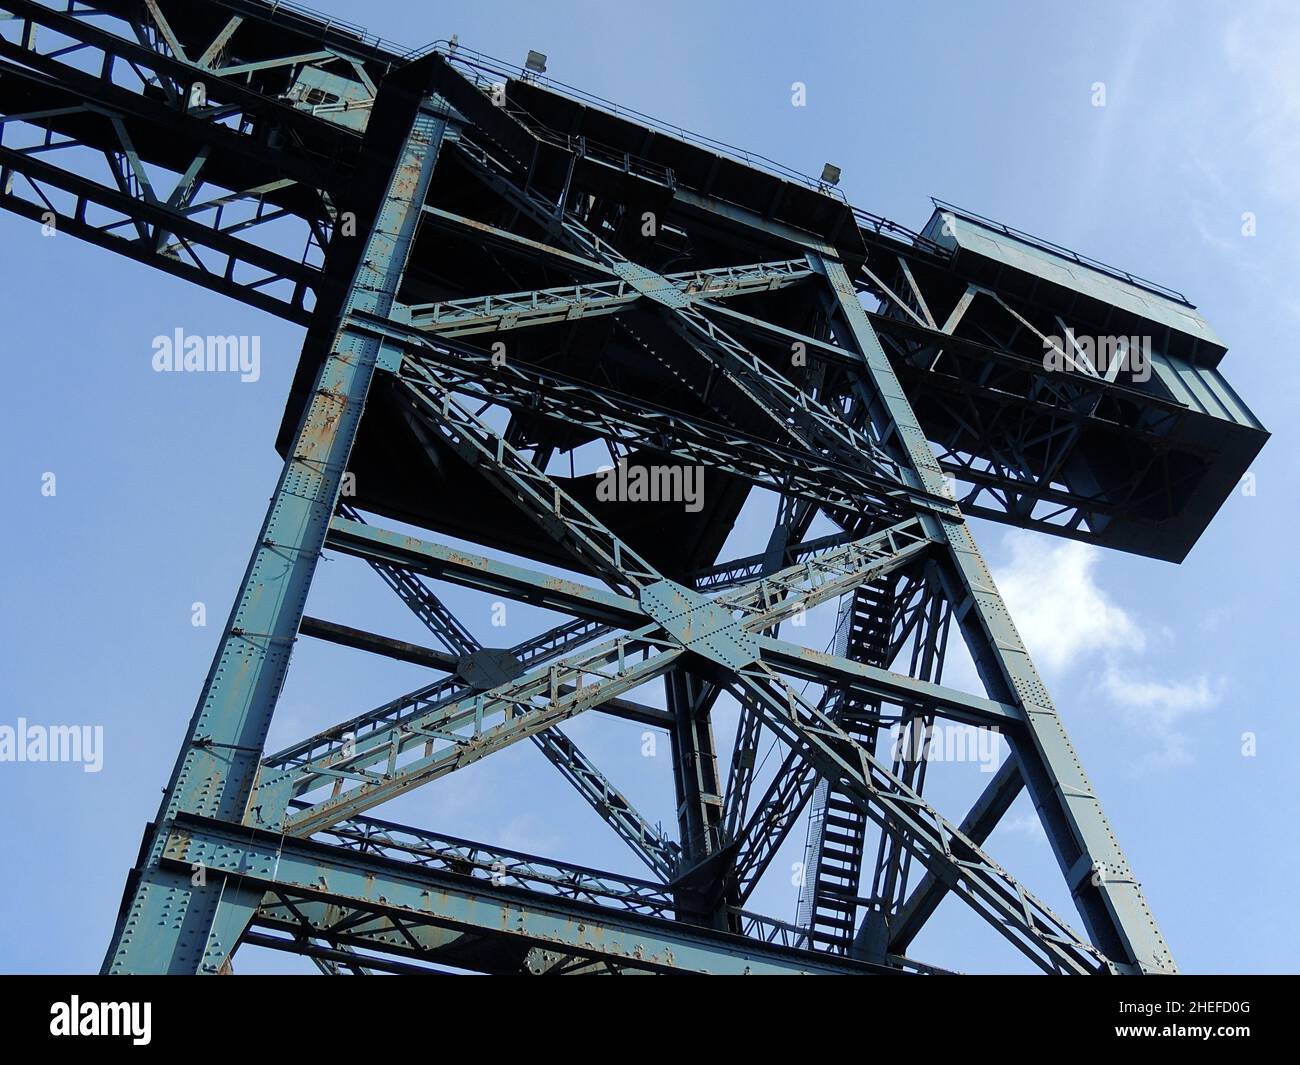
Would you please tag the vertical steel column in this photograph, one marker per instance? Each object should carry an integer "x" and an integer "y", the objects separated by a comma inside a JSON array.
[
  {"x": 702, "y": 887},
  {"x": 174, "y": 923},
  {"x": 1109, "y": 899}
]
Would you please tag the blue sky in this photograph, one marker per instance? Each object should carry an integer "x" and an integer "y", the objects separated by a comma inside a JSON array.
[{"x": 1158, "y": 670}]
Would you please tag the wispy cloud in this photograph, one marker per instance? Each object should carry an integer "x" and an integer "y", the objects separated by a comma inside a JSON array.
[
  {"x": 1158, "y": 700},
  {"x": 1070, "y": 623},
  {"x": 1242, "y": 155},
  {"x": 1161, "y": 710},
  {"x": 1119, "y": 73},
  {"x": 1262, "y": 47}
]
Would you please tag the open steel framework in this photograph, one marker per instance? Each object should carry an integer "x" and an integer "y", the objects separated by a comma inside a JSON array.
[{"x": 422, "y": 213}]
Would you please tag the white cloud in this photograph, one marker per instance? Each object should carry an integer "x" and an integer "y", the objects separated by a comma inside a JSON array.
[
  {"x": 1063, "y": 616},
  {"x": 1160, "y": 710},
  {"x": 1159, "y": 702},
  {"x": 1068, "y": 621}
]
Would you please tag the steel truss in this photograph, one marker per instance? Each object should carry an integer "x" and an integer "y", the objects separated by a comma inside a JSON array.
[{"x": 277, "y": 850}]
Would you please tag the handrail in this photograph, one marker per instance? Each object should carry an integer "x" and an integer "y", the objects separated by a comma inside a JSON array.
[
  {"x": 1065, "y": 253},
  {"x": 473, "y": 60}
]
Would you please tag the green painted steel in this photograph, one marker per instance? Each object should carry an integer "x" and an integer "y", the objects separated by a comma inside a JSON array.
[
  {"x": 315, "y": 872},
  {"x": 700, "y": 625},
  {"x": 951, "y": 227},
  {"x": 1108, "y": 895},
  {"x": 169, "y": 924},
  {"x": 770, "y": 374}
]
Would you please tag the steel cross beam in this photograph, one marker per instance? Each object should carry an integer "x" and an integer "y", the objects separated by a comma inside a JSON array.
[
  {"x": 438, "y": 729},
  {"x": 596, "y": 548},
  {"x": 165, "y": 925},
  {"x": 796, "y": 415},
  {"x": 844, "y": 492},
  {"x": 1023, "y": 919},
  {"x": 693, "y": 745},
  {"x": 610, "y": 804},
  {"x": 102, "y": 94},
  {"x": 768, "y": 596}
]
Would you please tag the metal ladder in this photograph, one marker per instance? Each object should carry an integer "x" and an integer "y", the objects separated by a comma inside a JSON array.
[{"x": 828, "y": 904}]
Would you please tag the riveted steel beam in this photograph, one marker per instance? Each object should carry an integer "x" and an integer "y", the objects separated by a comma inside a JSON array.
[
  {"x": 515, "y": 310},
  {"x": 400, "y": 892},
  {"x": 484, "y": 574},
  {"x": 872, "y": 682},
  {"x": 459, "y": 731},
  {"x": 1024, "y": 920},
  {"x": 984, "y": 815},
  {"x": 165, "y": 925},
  {"x": 1108, "y": 896}
]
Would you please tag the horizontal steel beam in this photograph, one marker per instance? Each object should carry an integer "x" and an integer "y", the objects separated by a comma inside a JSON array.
[
  {"x": 359, "y": 639},
  {"x": 871, "y": 682},
  {"x": 312, "y": 871},
  {"x": 467, "y": 370},
  {"x": 465, "y": 857},
  {"x": 513, "y": 310},
  {"x": 484, "y": 574}
]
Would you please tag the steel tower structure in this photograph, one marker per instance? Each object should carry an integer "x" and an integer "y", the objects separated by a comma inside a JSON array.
[{"x": 499, "y": 272}]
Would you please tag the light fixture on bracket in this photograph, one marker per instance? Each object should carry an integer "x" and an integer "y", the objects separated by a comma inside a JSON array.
[{"x": 535, "y": 63}]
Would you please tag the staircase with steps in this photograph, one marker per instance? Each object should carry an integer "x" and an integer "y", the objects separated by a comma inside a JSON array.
[{"x": 828, "y": 906}]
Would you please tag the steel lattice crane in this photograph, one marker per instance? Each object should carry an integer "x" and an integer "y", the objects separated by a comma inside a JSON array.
[{"x": 683, "y": 308}]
